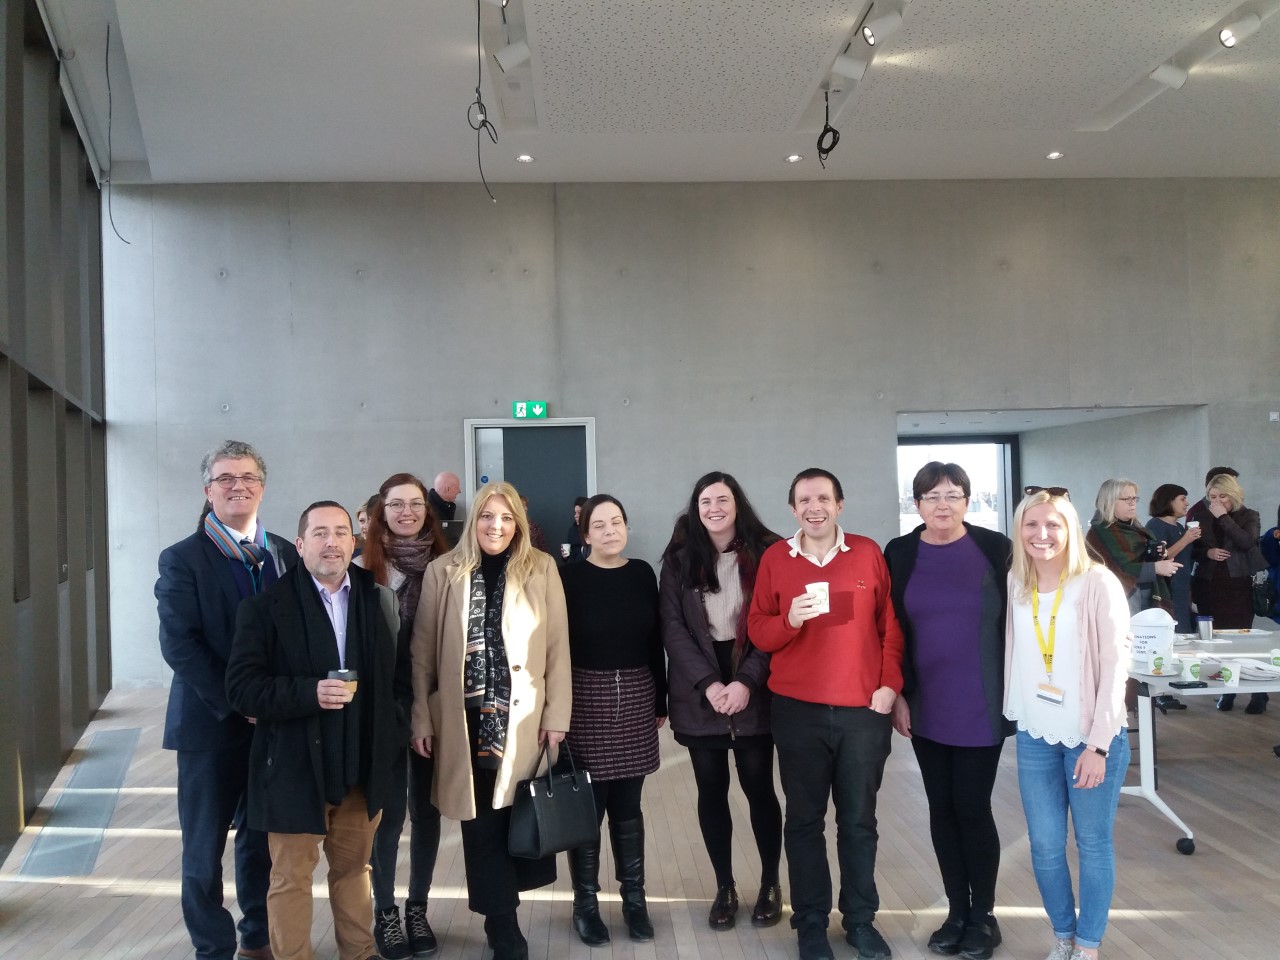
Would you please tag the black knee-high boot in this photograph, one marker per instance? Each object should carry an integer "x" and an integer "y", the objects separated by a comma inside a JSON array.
[
  {"x": 628, "y": 857},
  {"x": 584, "y": 870}
]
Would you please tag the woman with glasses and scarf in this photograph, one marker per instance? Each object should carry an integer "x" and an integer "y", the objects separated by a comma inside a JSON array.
[
  {"x": 1067, "y": 647},
  {"x": 949, "y": 592},
  {"x": 402, "y": 537},
  {"x": 1128, "y": 549},
  {"x": 491, "y": 684}
]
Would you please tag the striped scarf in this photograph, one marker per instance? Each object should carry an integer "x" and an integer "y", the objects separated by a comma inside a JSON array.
[{"x": 251, "y": 554}]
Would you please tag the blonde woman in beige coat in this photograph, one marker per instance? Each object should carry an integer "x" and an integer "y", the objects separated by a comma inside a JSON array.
[{"x": 491, "y": 683}]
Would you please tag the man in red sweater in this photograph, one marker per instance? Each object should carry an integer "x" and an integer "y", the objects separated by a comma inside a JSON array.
[{"x": 821, "y": 607}]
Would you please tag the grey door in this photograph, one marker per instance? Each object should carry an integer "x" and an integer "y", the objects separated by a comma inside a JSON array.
[{"x": 549, "y": 466}]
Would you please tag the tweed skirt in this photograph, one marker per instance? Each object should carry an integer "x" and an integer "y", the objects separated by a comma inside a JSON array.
[{"x": 614, "y": 731}]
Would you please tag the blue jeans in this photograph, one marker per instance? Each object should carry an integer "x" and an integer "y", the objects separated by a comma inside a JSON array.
[
  {"x": 838, "y": 754},
  {"x": 1044, "y": 778}
]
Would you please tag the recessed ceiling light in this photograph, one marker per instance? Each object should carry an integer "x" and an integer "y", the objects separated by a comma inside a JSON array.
[
  {"x": 1055, "y": 155},
  {"x": 524, "y": 158},
  {"x": 1242, "y": 29},
  {"x": 794, "y": 158}
]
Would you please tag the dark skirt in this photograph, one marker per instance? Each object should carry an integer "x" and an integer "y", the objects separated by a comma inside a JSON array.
[
  {"x": 1229, "y": 600},
  {"x": 614, "y": 730}
]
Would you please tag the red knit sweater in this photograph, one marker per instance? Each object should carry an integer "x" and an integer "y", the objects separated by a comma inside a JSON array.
[{"x": 838, "y": 658}]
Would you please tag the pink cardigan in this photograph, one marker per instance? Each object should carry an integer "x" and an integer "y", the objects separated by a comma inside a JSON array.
[{"x": 1106, "y": 639}]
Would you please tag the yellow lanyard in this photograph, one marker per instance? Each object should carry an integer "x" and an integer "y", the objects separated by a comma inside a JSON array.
[{"x": 1046, "y": 649}]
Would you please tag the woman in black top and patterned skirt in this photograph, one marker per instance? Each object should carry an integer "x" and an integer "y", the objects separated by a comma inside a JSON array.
[{"x": 619, "y": 702}]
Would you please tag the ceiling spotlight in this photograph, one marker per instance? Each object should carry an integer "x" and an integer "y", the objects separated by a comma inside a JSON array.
[
  {"x": 851, "y": 67},
  {"x": 1169, "y": 76},
  {"x": 1055, "y": 155},
  {"x": 881, "y": 28},
  {"x": 524, "y": 158},
  {"x": 794, "y": 158},
  {"x": 512, "y": 55},
  {"x": 1242, "y": 29}
]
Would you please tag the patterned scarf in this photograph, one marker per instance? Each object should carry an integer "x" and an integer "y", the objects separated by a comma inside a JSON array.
[
  {"x": 1124, "y": 545},
  {"x": 486, "y": 676},
  {"x": 251, "y": 554},
  {"x": 410, "y": 557}
]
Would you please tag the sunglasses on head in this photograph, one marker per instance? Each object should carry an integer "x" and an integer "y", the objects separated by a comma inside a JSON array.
[{"x": 1051, "y": 491}]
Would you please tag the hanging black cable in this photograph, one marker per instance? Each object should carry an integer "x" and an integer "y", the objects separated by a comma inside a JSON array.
[
  {"x": 477, "y": 114},
  {"x": 830, "y": 136},
  {"x": 110, "y": 161}
]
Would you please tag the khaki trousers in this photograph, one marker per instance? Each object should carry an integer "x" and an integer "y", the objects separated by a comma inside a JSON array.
[{"x": 347, "y": 843}]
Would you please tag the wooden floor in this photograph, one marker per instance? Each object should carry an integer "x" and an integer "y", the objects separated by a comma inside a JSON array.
[{"x": 1218, "y": 773}]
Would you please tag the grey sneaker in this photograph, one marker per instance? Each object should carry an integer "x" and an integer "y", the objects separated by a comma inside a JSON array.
[{"x": 1062, "y": 950}]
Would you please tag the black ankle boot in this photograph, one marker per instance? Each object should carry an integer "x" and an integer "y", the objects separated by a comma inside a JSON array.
[
  {"x": 503, "y": 932},
  {"x": 628, "y": 858},
  {"x": 584, "y": 870}
]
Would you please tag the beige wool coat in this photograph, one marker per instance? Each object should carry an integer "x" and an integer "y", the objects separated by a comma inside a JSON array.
[{"x": 535, "y": 632}]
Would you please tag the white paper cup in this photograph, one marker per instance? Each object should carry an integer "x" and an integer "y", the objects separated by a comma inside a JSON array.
[
  {"x": 564, "y": 550},
  {"x": 822, "y": 591},
  {"x": 1193, "y": 524}
]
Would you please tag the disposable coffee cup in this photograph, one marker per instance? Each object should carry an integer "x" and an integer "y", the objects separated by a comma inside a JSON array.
[
  {"x": 1193, "y": 524},
  {"x": 1204, "y": 627},
  {"x": 565, "y": 550},
  {"x": 823, "y": 592},
  {"x": 349, "y": 679}
]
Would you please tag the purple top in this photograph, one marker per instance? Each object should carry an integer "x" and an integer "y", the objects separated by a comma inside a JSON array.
[{"x": 944, "y": 600}]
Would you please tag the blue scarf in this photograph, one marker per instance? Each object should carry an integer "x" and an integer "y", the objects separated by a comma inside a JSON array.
[{"x": 251, "y": 554}]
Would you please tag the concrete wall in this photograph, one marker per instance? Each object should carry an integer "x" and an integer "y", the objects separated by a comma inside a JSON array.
[{"x": 759, "y": 328}]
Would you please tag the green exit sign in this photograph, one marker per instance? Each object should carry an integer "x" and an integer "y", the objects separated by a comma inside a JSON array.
[{"x": 529, "y": 409}]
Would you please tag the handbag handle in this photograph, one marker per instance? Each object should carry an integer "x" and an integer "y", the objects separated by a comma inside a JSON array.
[{"x": 573, "y": 767}]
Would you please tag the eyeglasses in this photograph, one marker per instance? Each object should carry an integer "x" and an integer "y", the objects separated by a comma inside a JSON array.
[
  {"x": 1126, "y": 499},
  {"x": 400, "y": 506},
  {"x": 1051, "y": 491},
  {"x": 951, "y": 499},
  {"x": 227, "y": 481}
]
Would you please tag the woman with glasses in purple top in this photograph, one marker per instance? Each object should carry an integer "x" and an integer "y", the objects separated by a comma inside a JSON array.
[{"x": 950, "y": 592}]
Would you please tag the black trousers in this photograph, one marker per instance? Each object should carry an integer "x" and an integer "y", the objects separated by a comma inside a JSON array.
[
  {"x": 958, "y": 782},
  {"x": 619, "y": 798},
  {"x": 494, "y": 877},
  {"x": 755, "y": 775},
  {"x": 411, "y": 791},
  {"x": 838, "y": 753}
]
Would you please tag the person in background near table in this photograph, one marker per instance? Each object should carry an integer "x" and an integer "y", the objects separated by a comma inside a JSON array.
[
  {"x": 1167, "y": 509},
  {"x": 821, "y": 607},
  {"x": 536, "y": 536},
  {"x": 718, "y": 682},
  {"x": 362, "y": 521},
  {"x": 403, "y": 537},
  {"x": 443, "y": 495},
  {"x": 619, "y": 702},
  {"x": 203, "y": 578},
  {"x": 1067, "y": 647},
  {"x": 1222, "y": 586},
  {"x": 949, "y": 589},
  {"x": 491, "y": 684},
  {"x": 1198, "y": 512},
  {"x": 1269, "y": 543},
  {"x": 571, "y": 548}
]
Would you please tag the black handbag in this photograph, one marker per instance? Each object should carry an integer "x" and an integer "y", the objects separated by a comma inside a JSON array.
[
  {"x": 1264, "y": 596},
  {"x": 553, "y": 813}
]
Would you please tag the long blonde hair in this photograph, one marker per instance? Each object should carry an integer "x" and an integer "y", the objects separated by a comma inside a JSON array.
[
  {"x": 466, "y": 555},
  {"x": 1078, "y": 559}
]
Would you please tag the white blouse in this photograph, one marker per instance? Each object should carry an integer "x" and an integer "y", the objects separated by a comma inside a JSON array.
[{"x": 1047, "y": 721}]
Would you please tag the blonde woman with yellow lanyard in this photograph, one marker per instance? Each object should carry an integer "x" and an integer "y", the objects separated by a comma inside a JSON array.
[{"x": 1066, "y": 652}]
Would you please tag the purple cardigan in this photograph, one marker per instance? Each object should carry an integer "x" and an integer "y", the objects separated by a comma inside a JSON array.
[{"x": 1106, "y": 640}]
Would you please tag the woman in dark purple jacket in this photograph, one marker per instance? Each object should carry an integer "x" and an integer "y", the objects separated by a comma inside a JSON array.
[{"x": 717, "y": 697}]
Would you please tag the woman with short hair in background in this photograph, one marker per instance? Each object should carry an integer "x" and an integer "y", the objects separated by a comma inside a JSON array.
[
  {"x": 718, "y": 683},
  {"x": 402, "y": 537},
  {"x": 491, "y": 684},
  {"x": 619, "y": 702},
  {"x": 1067, "y": 653},
  {"x": 1167, "y": 509},
  {"x": 1228, "y": 556},
  {"x": 949, "y": 591}
]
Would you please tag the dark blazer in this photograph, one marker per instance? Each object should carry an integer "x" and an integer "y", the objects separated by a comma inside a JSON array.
[
  {"x": 692, "y": 666},
  {"x": 197, "y": 598},
  {"x": 900, "y": 554},
  {"x": 281, "y": 636}
]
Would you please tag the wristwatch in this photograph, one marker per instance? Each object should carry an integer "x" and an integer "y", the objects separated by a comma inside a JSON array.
[{"x": 1099, "y": 751}]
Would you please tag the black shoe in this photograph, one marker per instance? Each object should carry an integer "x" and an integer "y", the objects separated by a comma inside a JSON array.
[
  {"x": 503, "y": 933},
  {"x": 628, "y": 863},
  {"x": 1166, "y": 702},
  {"x": 867, "y": 941},
  {"x": 1257, "y": 703},
  {"x": 1226, "y": 702},
  {"x": 814, "y": 944},
  {"x": 946, "y": 939},
  {"x": 422, "y": 939},
  {"x": 768, "y": 908},
  {"x": 584, "y": 871},
  {"x": 724, "y": 909},
  {"x": 981, "y": 937},
  {"x": 388, "y": 935}
]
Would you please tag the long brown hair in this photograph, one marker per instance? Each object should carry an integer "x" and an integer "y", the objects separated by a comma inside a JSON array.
[{"x": 375, "y": 550}]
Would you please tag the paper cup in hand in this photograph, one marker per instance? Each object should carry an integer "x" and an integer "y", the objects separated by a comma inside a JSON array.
[
  {"x": 823, "y": 592},
  {"x": 1192, "y": 524},
  {"x": 349, "y": 679}
]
